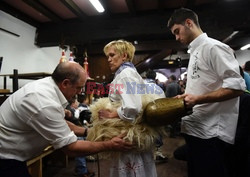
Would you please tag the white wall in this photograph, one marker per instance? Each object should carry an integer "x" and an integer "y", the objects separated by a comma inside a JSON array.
[
  {"x": 21, "y": 53},
  {"x": 242, "y": 56}
]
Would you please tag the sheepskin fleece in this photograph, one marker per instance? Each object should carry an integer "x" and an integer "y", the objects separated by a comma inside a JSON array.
[{"x": 141, "y": 134}]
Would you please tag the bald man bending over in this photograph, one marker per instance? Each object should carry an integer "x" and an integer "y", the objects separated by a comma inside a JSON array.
[{"x": 33, "y": 118}]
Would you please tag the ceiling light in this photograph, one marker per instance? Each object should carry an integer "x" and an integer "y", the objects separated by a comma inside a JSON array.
[
  {"x": 170, "y": 62},
  {"x": 245, "y": 47},
  {"x": 148, "y": 60},
  {"x": 98, "y": 6},
  {"x": 161, "y": 77},
  {"x": 230, "y": 37}
]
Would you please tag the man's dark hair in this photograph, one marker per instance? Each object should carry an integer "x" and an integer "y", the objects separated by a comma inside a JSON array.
[
  {"x": 173, "y": 77},
  {"x": 151, "y": 74},
  {"x": 247, "y": 66},
  {"x": 64, "y": 71},
  {"x": 180, "y": 15},
  {"x": 241, "y": 71},
  {"x": 81, "y": 97}
]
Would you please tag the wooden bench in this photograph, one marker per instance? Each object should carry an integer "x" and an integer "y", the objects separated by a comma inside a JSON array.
[
  {"x": 35, "y": 165},
  {"x": 4, "y": 91},
  {"x": 4, "y": 94}
]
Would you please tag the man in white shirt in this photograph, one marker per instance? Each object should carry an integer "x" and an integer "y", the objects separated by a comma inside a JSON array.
[
  {"x": 213, "y": 87},
  {"x": 33, "y": 118}
]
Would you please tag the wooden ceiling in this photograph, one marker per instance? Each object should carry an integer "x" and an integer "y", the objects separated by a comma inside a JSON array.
[{"x": 77, "y": 23}]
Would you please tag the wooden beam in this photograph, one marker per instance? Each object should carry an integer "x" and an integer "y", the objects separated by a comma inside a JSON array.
[
  {"x": 74, "y": 8},
  {"x": 107, "y": 12},
  {"x": 164, "y": 64},
  {"x": 152, "y": 61},
  {"x": 151, "y": 46},
  {"x": 149, "y": 26},
  {"x": 18, "y": 14},
  {"x": 44, "y": 10},
  {"x": 160, "y": 5},
  {"x": 131, "y": 6},
  {"x": 190, "y": 4},
  {"x": 104, "y": 29}
]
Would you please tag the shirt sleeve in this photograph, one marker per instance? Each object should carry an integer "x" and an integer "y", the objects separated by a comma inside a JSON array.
[
  {"x": 130, "y": 96},
  {"x": 227, "y": 67}
]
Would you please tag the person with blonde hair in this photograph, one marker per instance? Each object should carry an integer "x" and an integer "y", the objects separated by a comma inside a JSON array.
[{"x": 120, "y": 54}]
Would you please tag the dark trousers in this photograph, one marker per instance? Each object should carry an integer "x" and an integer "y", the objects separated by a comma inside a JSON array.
[
  {"x": 206, "y": 157},
  {"x": 13, "y": 168},
  {"x": 181, "y": 153}
]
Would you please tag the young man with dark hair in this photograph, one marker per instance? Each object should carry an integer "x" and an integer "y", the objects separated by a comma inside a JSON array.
[{"x": 214, "y": 85}]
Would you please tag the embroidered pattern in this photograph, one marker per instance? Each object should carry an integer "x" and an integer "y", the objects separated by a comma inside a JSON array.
[{"x": 195, "y": 67}]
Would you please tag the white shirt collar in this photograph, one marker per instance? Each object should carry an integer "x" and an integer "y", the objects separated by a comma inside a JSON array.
[
  {"x": 61, "y": 97},
  {"x": 197, "y": 42}
]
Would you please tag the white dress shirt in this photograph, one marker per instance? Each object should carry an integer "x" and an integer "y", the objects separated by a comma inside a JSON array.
[
  {"x": 126, "y": 88},
  {"x": 33, "y": 118},
  {"x": 212, "y": 65}
]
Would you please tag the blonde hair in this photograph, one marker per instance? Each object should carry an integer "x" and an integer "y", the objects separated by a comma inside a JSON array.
[{"x": 122, "y": 47}]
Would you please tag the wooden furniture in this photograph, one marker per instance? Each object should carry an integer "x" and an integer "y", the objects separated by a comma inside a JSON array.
[
  {"x": 31, "y": 76},
  {"x": 4, "y": 93},
  {"x": 35, "y": 165},
  {"x": 16, "y": 76}
]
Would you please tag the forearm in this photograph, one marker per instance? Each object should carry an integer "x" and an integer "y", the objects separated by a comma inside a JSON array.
[
  {"x": 82, "y": 148},
  {"x": 79, "y": 131},
  {"x": 219, "y": 95}
]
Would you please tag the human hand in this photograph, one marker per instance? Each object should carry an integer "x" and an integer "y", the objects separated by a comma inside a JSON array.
[
  {"x": 180, "y": 96},
  {"x": 190, "y": 100},
  {"x": 119, "y": 144},
  {"x": 67, "y": 113},
  {"x": 106, "y": 113}
]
